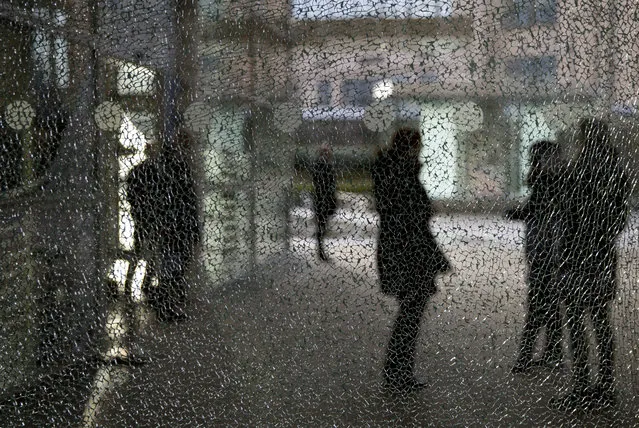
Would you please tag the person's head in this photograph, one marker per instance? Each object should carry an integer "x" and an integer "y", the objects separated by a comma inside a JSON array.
[
  {"x": 325, "y": 151},
  {"x": 544, "y": 151},
  {"x": 407, "y": 142},
  {"x": 177, "y": 138},
  {"x": 151, "y": 149},
  {"x": 594, "y": 132}
]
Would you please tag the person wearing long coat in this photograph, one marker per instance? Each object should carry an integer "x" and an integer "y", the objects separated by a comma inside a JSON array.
[
  {"x": 324, "y": 194},
  {"x": 164, "y": 207},
  {"x": 540, "y": 214},
  {"x": 594, "y": 210},
  {"x": 408, "y": 256}
]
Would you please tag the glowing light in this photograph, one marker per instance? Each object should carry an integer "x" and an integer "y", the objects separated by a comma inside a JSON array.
[
  {"x": 383, "y": 89},
  {"x": 19, "y": 115},
  {"x": 138, "y": 279},
  {"x": 440, "y": 150},
  {"x": 108, "y": 116},
  {"x": 118, "y": 272},
  {"x": 126, "y": 225},
  {"x": 133, "y": 79}
]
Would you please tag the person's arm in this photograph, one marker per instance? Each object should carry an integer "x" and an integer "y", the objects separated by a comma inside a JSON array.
[
  {"x": 622, "y": 205},
  {"x": 518, "y": 213},
  {"x": 425, "y": 203}
]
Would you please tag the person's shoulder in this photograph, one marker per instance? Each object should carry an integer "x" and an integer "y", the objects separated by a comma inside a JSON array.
[
  {"x": 319, "y": 164},
  {"x": 384, "y": 157},
  {"x": 381, "y": 163},
  {"x": 136, "y": 171}
]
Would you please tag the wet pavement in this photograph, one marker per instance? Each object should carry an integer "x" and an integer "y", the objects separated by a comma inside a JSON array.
[{"x": 300, "y": 342}]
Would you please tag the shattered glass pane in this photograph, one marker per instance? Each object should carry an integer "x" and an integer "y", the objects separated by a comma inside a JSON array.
[{"x": 319, "y": 213}]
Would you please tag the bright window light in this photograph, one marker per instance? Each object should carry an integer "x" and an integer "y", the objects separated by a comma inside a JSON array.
[
  {"x": 135, "y": 80},
  {"x": 352, "y": 9},
  {"x": 383, "y": 89}
]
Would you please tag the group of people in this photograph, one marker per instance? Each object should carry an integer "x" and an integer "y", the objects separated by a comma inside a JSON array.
[{"x": 573, "y": 215}]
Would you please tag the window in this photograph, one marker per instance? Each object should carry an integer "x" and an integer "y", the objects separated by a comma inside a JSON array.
[
  {"x": 135, "y": 80},
  {"x": 533, "y": 71},
  {"x": 324, "y": 93},
  {"x": 352, "y": 9},
  {"x": 51, "y": 53},
  {"x": 525, "y": 13},
  {"x": 357, "y": 93}
]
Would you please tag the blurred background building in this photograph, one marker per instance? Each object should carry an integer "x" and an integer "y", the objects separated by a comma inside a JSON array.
[{"x": 483, "y": 80}]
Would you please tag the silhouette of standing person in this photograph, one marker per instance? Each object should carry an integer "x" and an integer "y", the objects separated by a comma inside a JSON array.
[
  {"x": 594, "y": 206},
  {"x": 408, "y": 256},
  {"x": 324, "y": 188},
  {"x": 161, "y": 191},
  {"x": 540, "y": 214}
]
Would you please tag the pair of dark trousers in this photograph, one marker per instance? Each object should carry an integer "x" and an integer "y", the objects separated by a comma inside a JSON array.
[
  {"x": 322, "y": 224},
  {"x": 543, "y": 310},
  {"x": 400, "y": 356},
  {"x": 171, "y": 293},
  {"x": 577, "y": 313}
]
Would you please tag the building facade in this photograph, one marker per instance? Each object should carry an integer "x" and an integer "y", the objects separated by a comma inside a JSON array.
[{"x": 483, "y": 79}]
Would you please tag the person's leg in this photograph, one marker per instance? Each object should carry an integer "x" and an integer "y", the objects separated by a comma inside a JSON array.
[
  {"x": 184, "y": 258},
  {"x": 400, "y": 357},
  {"x": 605, "y": 348},
  {"x": 322, "y": 220},
  {"x": 549, "y": 310},
  {"x": 535, "y": 315},
  {"x": 579, "y": 396},
  {"x": 532, "y": 326},
  {"x": 152, "y": 254},
  {"x": 172, "y": 286},
  {"x": 553, "y": 353},
  {"x": 151, "y": 272},
  {"x": 161, "y": 301},
  {"x": 576, "y": 314}
]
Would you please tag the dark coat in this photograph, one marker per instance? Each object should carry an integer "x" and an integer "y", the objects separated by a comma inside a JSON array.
[
  {"x": 408, "y": 257},
  {"x": 540, "y": 214},
  {"x": 325, "y": 186},
  {"x": 161, "y": 192},
  {"x": 595, "y": 209},
  {"x": 143, "y": 184}
]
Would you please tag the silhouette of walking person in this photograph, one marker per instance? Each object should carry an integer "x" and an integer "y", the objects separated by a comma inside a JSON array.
[
  {"x": 594, "y": 206},
  {"x": 540, "y": 214},
  {"x": 408, "y": 256},
  {"x": 161, "y": 192},
  {"x": 324, "y": 199}
]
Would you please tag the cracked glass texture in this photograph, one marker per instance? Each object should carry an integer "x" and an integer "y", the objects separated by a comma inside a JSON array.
[{"x": 319, "y": 213}]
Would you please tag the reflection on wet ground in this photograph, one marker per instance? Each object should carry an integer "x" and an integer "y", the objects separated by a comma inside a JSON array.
[
  {"x": 73, "y": 396},
  {"x": 54, "y": 401},
  {"x": 301, "y": 342},
  {"x": 107, "y": 379}
]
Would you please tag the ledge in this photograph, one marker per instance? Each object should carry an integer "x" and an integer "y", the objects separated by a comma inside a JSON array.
[{"x": 301, "y": 31}]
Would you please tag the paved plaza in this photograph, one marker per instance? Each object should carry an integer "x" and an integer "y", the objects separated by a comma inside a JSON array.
[{"x": 301, "y": 342}]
